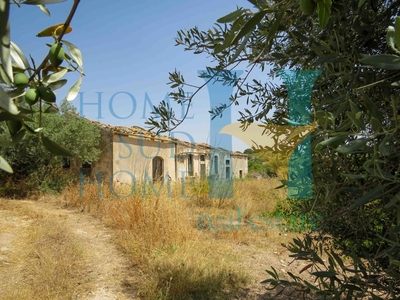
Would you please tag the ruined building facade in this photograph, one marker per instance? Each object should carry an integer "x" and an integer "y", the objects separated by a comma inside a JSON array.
[{"x": 133, "y": 154}]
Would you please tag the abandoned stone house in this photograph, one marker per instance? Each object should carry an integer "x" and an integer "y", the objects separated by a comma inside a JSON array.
[{"x": 133, "y": 154}]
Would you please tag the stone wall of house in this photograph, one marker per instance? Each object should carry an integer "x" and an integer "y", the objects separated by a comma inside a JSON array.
[
  {"x": 192, "y": 164},
  {"x": 240, "y": 165},
  {"x": 133, "y": 158},
  {"x": 201, "y": 160},
  {"x": 221, "y": 164},
  {"x": 104, "y": 165},
  {"x": 133, "y": 155}
]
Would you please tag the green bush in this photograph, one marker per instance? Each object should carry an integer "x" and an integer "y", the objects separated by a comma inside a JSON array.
[
  {"x": 35, "y": 168},
  {"x": 256, "y": 165}
]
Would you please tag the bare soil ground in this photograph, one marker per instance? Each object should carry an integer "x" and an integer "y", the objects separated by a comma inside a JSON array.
[{"x": 105, "y": 271}]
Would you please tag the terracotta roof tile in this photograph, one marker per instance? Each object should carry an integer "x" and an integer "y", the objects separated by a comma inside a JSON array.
[{"x": 136, "y": 131}]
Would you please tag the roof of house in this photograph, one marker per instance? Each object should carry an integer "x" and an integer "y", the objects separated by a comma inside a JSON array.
[{"x": 139, "y": 132}]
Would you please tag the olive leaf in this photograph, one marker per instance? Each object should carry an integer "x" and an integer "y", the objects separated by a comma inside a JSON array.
[
  {"x": 352, "y": 146},
  {"x": 54, "y": 148},
  {"x": 75, "y": 53},
  {"x": 397, "y": 32},
  {"x": 324, "y": 12},
  {"x": 390, "y": 37},
  {"x": 55, "y": 76},
  {"x": 74, "y": 90},
  {"x": 231, "y": 16},
  {"x": 57, "y": 84},
  {"x": 44, "y": 9},
  {"x": 19, "y": 57},
  {"x": 54, "y": 30},
  {"x": 7, "y": 103},
  {"x": 383, "y": 61},
  {"x": 5, "y": 39},
  {"x": 5, "y": 166}
]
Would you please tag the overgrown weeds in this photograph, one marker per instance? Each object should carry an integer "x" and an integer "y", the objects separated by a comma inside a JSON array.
[
  {"x": 158, "y": 228},
  {"x": 45, "y": 262}
]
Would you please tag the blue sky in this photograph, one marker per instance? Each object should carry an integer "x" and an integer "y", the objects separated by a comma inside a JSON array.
[{"x": 128, "y": 49}]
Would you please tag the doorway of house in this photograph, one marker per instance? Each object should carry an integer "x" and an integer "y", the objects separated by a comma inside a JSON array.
[
  {"x": 190, "y": 165},
  {"x": 228, "y": 169},
  {"x": 216, "y": 165},
  {"x": 202, "y": 166},
  {"x": 158, "y": 168}
]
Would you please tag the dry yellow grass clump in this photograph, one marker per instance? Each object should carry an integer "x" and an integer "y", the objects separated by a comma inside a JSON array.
[{"x": 179, "y": 238}]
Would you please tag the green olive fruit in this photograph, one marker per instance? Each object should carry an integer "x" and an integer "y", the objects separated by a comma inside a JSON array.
[
  {"x": 14, "y": 126},
  {"x": 31, "y": 96},
  {"x": 21, "y": 80},
  {"x": 308, "y": 6},
  {"x": 46, "y": 94},
  {"x": 56, "y": 54}
]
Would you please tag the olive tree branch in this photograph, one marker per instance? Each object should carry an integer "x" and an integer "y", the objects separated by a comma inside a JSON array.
[
  {"x": 190, "y": 99},
  {"x": 66, "y": 24}
]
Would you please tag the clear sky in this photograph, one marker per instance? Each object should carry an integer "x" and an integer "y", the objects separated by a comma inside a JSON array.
[{"x": 128, "y": 49}]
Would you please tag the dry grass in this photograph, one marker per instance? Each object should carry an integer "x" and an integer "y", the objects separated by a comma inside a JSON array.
[
  {"x": 43, "y": 263},
  {"x": 159, "y": 230}
]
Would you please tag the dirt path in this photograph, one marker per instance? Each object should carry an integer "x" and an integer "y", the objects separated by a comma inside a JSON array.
[
  {"x": 106, "y": 274},
  {"x": 106, "y": 271}
]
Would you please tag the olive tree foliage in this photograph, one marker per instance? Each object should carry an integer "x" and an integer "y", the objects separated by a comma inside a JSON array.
[
  {"x": 355, "y": 145},
  {"x": 33, "y": 81}
]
